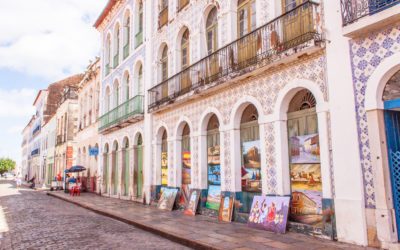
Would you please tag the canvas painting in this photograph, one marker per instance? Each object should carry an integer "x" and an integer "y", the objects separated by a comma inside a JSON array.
[
  {"x": 214, "y": 174},
  {"x": 306, "y": 184},
  {"x": 304, "y": 149},
  {"x": 251, "y": 169},
  {"x": 213, "y": 155},
  {"x": 226, "y": 208},
  {"x": 213, "y": 197},
  {"x": 269, "y": 213},
  {"x": 184, "y": 196},
  {"x": 186, "y": 168},
  {"x": 167, "y": 199},
  {"x": 164, "y": 168},
  {"x": 191, "y": 206}
]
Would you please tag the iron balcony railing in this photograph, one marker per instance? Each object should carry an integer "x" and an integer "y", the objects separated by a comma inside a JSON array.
[
  {"x": 352, "y": 10},
  {"x": 261, "y": 46},
  {"x": 116, "y": 60},
  {"x": 60, "y": 139},
  {"x": 128, "y": 109},
  {"x": 182, "y": 4},
  {"x": 126, "y": 50},
  {"x": 138, "y": 39},
  {"x": 36, "y": 130},
  {"x": 163, "y": 17}
]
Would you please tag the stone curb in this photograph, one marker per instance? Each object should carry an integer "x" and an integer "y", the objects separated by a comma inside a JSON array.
[{"x": 163, "y": 233}]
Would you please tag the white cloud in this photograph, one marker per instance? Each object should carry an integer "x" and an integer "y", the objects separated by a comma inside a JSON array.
[
  {"x": 17, "y": 103},
  {"x": 48, "y": 38}
]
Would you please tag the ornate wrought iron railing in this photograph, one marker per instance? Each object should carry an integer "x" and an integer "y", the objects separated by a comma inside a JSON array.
[
  {"x": 262, "y": 45},
  {"x": 352, "y": 10},
  {"x": 126, "y": 110},
  {"x": 163, "y": 17},
  {"x": 138, "y": 39}
]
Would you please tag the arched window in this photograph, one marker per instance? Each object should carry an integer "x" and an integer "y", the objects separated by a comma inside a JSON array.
[
  {"x": 139, "y": 27},
  {"x": 108, "y": 100},
  {"x": 127, "y": 86},
  {"x": 164, "y": 64},
  {"x": 127, "y": 34},
  {"x": 116, "y": 94},
  {"x": 212, "y": 31},
  {"x": 246, "y": 16},
  {"x": 140, "y": 81},
  {"x": 163, "y": 15},
  {"x": 164, "y": 159},
  {"x": 116, "y": 46},
  {"x": 107, "y": 55},
  {"x": 185, "y": 49},
  {"x": 213, "y": 163}
]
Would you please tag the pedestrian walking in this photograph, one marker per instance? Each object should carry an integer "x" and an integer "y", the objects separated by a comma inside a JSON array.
[{"x": 19, "y": 180}]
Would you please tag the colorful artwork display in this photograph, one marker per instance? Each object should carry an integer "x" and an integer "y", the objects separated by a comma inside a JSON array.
[
  {"x": 269, "y": 213},
  {"x": 304, "y": 149},
  {"x": 213, "y": 197},
  {"x": 184, "y": 193},
  {"x": 191, "y": 206},
  {"x": 226, "y": 208},
  {"x": 184, "y": 196},
  {"x": 167, "y": 199},
  {"x": 164, "y": 168},
  {"x": 306, "y": 184},
  {"x": 251, "y": 169},
  {"x": 213, "y": 155}
]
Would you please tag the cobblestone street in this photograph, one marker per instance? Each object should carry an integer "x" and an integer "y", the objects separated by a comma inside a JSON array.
[{"x": 32, "y": 220}]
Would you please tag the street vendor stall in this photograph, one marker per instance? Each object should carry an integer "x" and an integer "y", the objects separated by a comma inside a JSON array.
[{"x": 68, "y": 184}]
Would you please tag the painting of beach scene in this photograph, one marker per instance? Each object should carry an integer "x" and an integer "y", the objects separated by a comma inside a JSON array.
[
  {"x": 304, "y": 149},
  {"x": 191, "y": 206},
  {"x": 269, "y": 213},
  {"x": 226, "y": 208},
  {"x": 213, "y": 197},
  {"x": 167, "y": 199},
  {"x": 306, "y": 185},
  {"x": 251, "y": 168}
]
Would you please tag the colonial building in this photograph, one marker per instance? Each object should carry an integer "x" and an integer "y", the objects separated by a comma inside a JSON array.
[
  {"x": 373, "y": 32},
  {"x": 228, "y": 86},
  {"x": 87, "y": 136},
  {"x": 122, "y": 27},
  {"x": 25, "y": 149},
  {"x": 48, "y": 149}
]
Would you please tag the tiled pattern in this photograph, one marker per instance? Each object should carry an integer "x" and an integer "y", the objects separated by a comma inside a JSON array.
[
  {"x": 366, "y": 54},
  {"x": 264, "y": 88}
]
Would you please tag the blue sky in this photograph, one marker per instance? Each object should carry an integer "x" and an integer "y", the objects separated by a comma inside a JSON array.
[{"x": 41, "y": 41}]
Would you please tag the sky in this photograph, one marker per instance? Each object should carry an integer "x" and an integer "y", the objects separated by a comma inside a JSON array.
[{"x": 41, "y": 42}]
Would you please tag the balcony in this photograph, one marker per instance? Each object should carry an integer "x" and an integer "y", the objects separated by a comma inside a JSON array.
[
  {"x": 282, "y": 37},
  {"x": 126, "y": 51},
  {"x": 182, "y": 4},
  {"x": 363, "y": 16},
  {"x": 163, "y": 17},
  {"x": 36, "y": 130},
  {"x": 116, "y": 60},
  {"x": 60, "y": 139},
  {"x": 138, "y": 39},
  {"x": 129, "y": 112}
]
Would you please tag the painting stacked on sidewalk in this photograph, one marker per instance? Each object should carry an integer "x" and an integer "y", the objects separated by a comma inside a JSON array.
[
  {"x": 214, "y": 178},
  {"x": 186, "y": 180},
  {"x": 305, "y": 178}
]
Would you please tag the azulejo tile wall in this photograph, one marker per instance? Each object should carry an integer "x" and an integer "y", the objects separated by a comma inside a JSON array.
[
  {"x": 366, "y": 55},
  {"x": 264, "y": 88}
]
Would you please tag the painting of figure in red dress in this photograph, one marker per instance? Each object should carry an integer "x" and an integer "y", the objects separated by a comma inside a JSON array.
[{"x": 269, "y": 213}]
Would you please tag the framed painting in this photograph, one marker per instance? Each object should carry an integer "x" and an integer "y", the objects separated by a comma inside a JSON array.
[
  {"x": 226, "y": 208},
  {"x": 213, "y": 197},
  {"x": 167, "y": 199},
  {"x": 191, "y": 206},
  {"x": 304, "y": 149},
  {"x": 269, "y": 213},
  {"x": 251, "y": 168}
]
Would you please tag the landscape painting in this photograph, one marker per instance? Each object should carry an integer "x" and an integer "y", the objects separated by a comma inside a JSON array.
[
  {"x": 213, "y": 155},
  {"x": 184, "y": 196},
  {"x": 186, "y": 168},
  {"x": 226, "y": 208},
  {"x": 213, "y": 197},
  {"x": 304, "y": 149},
  {"x": 191, "y": 206},
  {"x": 251, "y": 168},
  {"x": 164, "y": 169},
  {"x": 214, "y": 174},
  {"x": 269, "y": 213},
  {"x": 167, "y": 199},
  {"x": 306, "y": 185}
]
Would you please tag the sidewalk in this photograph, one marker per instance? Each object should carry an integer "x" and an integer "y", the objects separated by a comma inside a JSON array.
[{"x": 199, "y": 232}]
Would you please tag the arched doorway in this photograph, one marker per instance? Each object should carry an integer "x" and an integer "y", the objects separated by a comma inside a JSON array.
[
  {"x": 185, "y": 158},
  {"x": 106, "y": 168},
  {"x": 304, "y": 161},
  {"x": 251, "y": 157},
  {"x": 138, "y": 167},
  {"x": 164, "y": 159},
  {"x": 213, "y": 164},
  {"x": 125, "y": 168},
  {"x": 114, "y": 169},
  {"x": 391, "y": 99}
]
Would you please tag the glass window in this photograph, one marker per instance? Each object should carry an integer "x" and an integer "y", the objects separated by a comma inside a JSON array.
[
  {"x": 211, "y": 31},
  {"x": 164, "y": 64},
  {"x": 246, "y": 17}
]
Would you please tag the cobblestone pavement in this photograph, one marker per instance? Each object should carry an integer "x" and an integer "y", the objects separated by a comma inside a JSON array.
[{"x": 32, "y": 220}]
